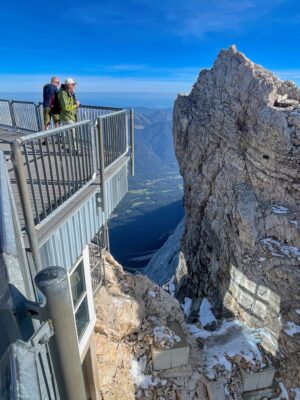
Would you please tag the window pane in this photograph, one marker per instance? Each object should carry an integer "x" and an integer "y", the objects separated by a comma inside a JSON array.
[
  {"x": 82, "y": 318},
  {"x": 77, "y": 283}
]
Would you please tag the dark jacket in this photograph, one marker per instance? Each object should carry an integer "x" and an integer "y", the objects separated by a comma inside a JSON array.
[{"x": 49, "y": 91}]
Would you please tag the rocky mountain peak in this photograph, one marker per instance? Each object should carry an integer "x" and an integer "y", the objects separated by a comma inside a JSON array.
[{"x": 237, "y": 141}]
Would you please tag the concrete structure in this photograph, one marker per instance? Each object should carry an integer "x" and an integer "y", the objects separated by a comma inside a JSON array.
[
  {"x": 176, "y": 356},
  {"x": 258, "y": 380},
  {"x": 215, "y": 391}
]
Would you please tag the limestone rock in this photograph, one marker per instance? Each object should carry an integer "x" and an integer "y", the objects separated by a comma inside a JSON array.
[
  {"x": 114, "y": 363},
  {"x": 237, "y": 141},
  {"x": 132, "y": 312},
  {"x": 118, "y": 314},
  {"x": 165, "y": 261}
]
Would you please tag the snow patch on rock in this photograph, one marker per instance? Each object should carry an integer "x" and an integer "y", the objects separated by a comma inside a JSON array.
[
  {"x": 279, "y": 249},
  {"x": 186, "y": 306},
  {"x": 233, "y": 338},
  {"x": 139, "y": 378},
  {"x": 291, "y": 328},
  {"x": 279, "y": 209},
  {"x": 205, "y": 314},
  {"x": 297, "y": 393}
]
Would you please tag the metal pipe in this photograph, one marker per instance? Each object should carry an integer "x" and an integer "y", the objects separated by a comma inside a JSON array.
[
  {"x": 102, "y": 165},
  {"x": 17, "y": 161},
  {"x": 38, "y": 118},
  {"x": 132, "y": 140},
  {"x": 53, "y": 283},
  {"x": 102, "y": 177},
  {"x": 12, "y": 114}
]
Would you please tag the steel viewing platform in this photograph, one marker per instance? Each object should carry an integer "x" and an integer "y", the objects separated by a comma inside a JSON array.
[
  {"x": 58, "y": 163},
  {"x": 58, "y": 189}
]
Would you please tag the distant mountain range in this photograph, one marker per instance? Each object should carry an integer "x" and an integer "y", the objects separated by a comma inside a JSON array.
[
  {"x": 152, "y": 209},
  {"x": 154, "y": 149}
]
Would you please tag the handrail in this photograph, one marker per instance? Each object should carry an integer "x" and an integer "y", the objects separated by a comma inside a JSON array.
[
  {"x": 120, "y": 111},
  {"x": 50, "y": 132},
  {"x": 101, "y": 107}
]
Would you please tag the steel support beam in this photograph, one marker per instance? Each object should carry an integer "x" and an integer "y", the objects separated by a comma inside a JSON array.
[
  {"x": 132, "y": 140},
  {"x": 53, "y": 283},
  {"x": 17, "y": 160},
  {"x": 102, "y": 178}
]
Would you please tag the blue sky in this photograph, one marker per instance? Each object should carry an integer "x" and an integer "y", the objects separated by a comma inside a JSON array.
[{"x": 140, "y": 45}]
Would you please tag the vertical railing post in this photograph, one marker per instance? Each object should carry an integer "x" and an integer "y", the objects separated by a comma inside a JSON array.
[
  {"x": 132, "y": 140},
  {"x": 102, "y": 176},
  {"x": 39, "y": 121},
  {"x": 17, "y": 160},
  {"x": 12, "y": 114},
  {"x": 93, "y": 132}
]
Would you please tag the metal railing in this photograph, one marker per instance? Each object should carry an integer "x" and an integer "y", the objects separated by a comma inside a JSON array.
[
  {"x": 113, "y": 132},
  {"x": 49, "y": 167},
  {"x": 6, "y": 113},
  {"x": 28, "y": 116},
  {"x": 92, "y": 112},
  {"x": 17, "y": 381},
  {"x": 12, "y": 253},
  {"x": 20, "y": 115},
  {"x": 54, "y": 164},
  {"x": 96, "y": 248}
]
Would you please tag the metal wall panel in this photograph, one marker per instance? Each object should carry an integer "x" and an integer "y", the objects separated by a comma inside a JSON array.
[
  {"x": 67, "y": 243},
  {"x": 116, "y": 188}
]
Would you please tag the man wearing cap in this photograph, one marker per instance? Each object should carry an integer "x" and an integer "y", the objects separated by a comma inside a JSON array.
[
  {"x": 68, "y": 114},
  {"x": 68, "y": 102},
  {"x": 49, "y": 92}
]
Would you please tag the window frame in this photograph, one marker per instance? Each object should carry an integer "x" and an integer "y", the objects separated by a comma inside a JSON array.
[{"x": 83, "y": 296}]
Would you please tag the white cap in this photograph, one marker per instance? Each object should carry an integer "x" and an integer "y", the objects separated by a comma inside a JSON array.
[{"x": 70, "y": 81}]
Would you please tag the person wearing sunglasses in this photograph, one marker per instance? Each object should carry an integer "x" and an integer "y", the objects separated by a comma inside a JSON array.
[{"x": 49, "y": 92}]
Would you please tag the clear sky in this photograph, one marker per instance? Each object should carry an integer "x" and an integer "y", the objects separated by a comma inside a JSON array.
[{"x": 141, "y": 45}]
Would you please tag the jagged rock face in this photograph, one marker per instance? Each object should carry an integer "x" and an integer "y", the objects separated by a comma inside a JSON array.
[
  {"x": 164, "y": 263},
  {"x": 237, "y": 141}
]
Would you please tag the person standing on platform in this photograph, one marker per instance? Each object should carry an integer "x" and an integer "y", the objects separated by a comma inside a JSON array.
[
  {"x": 49, "y": 92},
  {"x": 68, "y": 102},
  {"x": 68, "y": 114}
]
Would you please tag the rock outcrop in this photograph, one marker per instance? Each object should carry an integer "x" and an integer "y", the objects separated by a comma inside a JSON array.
[
  {"x": 165, "y": 261},
  {"x": 132, "y": 313},
  {"x": 237, "y": 141}
]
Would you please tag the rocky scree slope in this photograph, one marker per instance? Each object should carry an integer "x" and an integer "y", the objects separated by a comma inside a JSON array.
[
  {"x": 237, "y": 141},
  {"x": 133, "y": 313}
]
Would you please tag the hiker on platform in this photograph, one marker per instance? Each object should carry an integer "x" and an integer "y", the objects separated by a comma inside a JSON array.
[
  {"x": 49, "y": 92},
  {"x": 68, "y": 113},
  {"x": 68, "y": 102}
]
